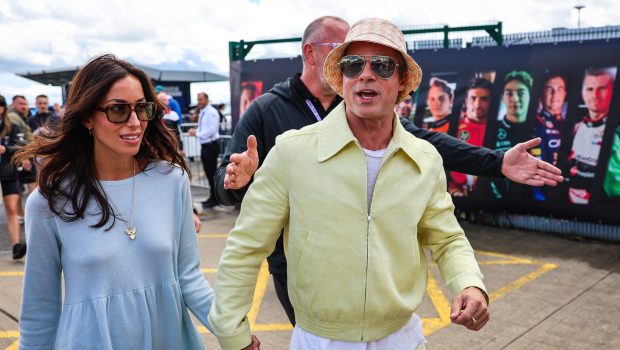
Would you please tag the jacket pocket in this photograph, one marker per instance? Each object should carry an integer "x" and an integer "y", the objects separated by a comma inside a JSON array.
[{"x": 326, "y": 276}]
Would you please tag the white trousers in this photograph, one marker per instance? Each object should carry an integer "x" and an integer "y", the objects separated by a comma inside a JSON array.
[{"x": 409, "y": 337}]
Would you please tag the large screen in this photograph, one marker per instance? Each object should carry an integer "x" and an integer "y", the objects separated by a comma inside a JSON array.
[{"x": 564, "y": 93}]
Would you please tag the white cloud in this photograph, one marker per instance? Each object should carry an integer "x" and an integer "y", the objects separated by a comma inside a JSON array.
[
  {"x": 194, "y": 34},
  {"x": 11, "y": 85}
]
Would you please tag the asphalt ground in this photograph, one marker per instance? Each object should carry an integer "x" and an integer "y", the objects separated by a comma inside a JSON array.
[{"x": 547, "y": 292}]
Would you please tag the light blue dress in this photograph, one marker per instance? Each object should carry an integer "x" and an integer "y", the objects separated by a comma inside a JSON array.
[{"x": 119, "y": 293}]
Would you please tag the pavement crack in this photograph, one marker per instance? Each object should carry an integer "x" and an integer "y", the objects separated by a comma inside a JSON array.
[
  {"x": 9, "y": 315},
  {"x": 556, "y": 311}
]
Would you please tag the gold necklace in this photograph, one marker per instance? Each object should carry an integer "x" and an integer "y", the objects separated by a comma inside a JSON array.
[{"x": 131, "y": 229}]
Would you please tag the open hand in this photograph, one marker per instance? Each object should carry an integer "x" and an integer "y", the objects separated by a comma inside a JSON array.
[
  {"x": 520, "y": 166},
  {"x": 242, "y": 166}
]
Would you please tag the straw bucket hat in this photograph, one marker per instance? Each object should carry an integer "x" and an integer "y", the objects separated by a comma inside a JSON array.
[{"x": 378, "y": 31}]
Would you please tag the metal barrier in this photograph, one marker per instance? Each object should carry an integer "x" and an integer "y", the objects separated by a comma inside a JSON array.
[
  {"x": 558, "y": 226},
  {"x": 552, "y": 36},
  {"x": 191, "y": 147}
]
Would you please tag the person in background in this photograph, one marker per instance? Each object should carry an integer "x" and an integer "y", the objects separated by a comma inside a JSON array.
[
  {"x": 208, "y": 134},
  {"x": 248, "y": 94},
  {"x": 596, "y": 91},
  {"x": 472, "y": 127},
  {"x": 440, "y": 99},
  {"x": 548, "y": 125},
  {"x": 405, "y": 108},
  {"x": 172, "y": 102},
  {"x": 57, "y": 109},
  {"x": 511, "y": 129},
  {"x": 220, "y": 110},
  {"x": 18, "y": 113},
  {"x": 42, "y": 115},
  {"x": 9, "y": 179},
  {"x": 611, "y": 184},
  {"x": 171, "y": 120}
]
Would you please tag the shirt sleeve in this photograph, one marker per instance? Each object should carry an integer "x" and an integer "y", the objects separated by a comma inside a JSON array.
[
  {"x": 440, "y": 232},
  {"x": 41, "y": 298},
  {"x": 197, "y": 292},
  {"x": 263, "y": 214},
  {"x": 458, "y": 155}
]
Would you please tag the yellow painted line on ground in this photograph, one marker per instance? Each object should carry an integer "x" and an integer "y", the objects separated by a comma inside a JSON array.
[
  {"x": 11, "y": 273},
  {"x": 212, "y": 235},
  {"x": 272, "y": 327},
  {"x": 434, "y": 291},
  {"x": 507, "y": 257},
  {"x": 520, "y": 282},
  {"x": 502, "y": 262},
  {"x": 441, "y": 304},
  {"x": 9, "y": 334},
  {"x": 259, "y": 293}
]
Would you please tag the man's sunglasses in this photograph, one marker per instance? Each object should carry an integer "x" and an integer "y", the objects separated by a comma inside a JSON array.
[
  {"x": 120, "y": 112},
  {"x": 352, "y": 65},
  {"x": 332, "y": 45}
]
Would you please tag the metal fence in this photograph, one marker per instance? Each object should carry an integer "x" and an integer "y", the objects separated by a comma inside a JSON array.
[
  {"x": 552, "y": 36},
  {"x": 434, "y": 44}
]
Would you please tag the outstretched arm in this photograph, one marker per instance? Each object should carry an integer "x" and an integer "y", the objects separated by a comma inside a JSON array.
[
  {"x": 458, "y": 155},
  {"x": 516, "y": 164},
  {"x": 520, "y": 166}
]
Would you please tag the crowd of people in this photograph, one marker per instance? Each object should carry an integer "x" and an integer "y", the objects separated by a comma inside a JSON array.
[
  {"x": 17, "y": 127},
  {"x": 331, "y": 193}
]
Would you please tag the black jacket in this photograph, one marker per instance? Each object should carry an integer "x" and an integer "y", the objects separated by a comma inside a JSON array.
[
  {"x": 12, "y": 143},
  {"x": 284, "y": 108}
]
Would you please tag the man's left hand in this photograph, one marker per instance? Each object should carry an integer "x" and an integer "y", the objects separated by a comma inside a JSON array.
[
  {"x": 469, "y": 308},
  {"x": 520, "y": 166}
]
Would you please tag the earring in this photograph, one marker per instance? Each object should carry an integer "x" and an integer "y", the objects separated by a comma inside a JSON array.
[{"x": 90, "y": 131}]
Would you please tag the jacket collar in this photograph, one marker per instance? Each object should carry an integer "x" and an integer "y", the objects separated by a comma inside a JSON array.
[{"x": 335, "y": 134}]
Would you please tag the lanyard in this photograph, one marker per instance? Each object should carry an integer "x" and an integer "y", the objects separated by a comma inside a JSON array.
[{"x": 314, "y": 111}]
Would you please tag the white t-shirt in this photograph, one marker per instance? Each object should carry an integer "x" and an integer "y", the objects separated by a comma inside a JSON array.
[
  {"x": 373, "y": 162},
  {"x": 409, "y": 337}
]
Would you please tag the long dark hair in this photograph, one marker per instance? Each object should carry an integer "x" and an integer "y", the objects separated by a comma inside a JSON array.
[
  {"x": 67, "y": 172},
  {"x": 6, "y": 127}
]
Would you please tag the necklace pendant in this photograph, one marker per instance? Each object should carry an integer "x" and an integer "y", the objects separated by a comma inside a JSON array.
[{"x": 131, "y": 231}]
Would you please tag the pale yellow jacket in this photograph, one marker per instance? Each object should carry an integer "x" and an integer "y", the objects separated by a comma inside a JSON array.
[{"x": 354, "y": 273}]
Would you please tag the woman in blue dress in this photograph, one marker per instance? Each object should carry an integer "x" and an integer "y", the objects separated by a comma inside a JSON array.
[{"x": 113, "y": 215}]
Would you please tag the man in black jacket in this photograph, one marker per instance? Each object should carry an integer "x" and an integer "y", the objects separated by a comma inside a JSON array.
[{"x": 307, "y": 98}]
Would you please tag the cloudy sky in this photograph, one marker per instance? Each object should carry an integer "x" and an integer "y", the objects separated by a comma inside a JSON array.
[{"x": 194, "y": 34}]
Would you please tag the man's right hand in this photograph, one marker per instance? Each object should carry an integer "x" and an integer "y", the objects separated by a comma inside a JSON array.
[
  {"x": 242, "y": 166},
  {"x": 254, "y": 345}
]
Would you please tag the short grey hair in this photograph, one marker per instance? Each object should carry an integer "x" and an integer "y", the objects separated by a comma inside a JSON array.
[{"x": 315, "y": 27}]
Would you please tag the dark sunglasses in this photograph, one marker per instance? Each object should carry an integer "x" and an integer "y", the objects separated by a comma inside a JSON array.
[
  {"x": 120, "y": 112},
  {"x": 352, "y": 65}
]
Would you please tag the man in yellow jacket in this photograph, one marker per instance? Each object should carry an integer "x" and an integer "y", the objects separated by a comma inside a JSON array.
[{"x": 356, "y": 267}]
